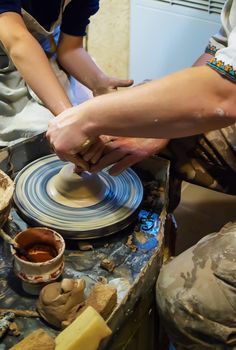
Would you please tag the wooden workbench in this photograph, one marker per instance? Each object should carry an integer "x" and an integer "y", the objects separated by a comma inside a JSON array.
[{"x": 134, "y": 320}]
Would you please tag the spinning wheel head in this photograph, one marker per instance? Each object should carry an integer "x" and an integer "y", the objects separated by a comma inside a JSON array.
[{"x": 91, "y": 206}]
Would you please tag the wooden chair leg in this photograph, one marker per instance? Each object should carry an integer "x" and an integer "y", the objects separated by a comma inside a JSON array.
[
  {"x": 170, "y": 236},
  {"x": 163, "y": 340},
  {"x": 170, "y": 242}
]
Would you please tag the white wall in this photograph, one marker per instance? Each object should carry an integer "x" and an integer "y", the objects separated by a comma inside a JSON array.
[
  {"x": 165, "y": 38},
  {"x": 108, "y": 37}
]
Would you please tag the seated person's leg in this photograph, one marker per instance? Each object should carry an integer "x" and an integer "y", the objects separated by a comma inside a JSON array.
[
  {"x": 207, "y": 160},
  {"x": 196, "y": 294}
]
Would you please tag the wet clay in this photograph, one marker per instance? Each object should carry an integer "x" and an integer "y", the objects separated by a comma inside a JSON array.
[
  {"x": 61, "y": 300},
  {"x": 39, "y": 244},
  {"x": 71, "y": 189},
  {"x": 42, "y": 261},
  {"x": 39, "y": 253}
]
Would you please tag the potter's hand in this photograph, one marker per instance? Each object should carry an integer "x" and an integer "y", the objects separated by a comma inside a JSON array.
[
  {"x": 108, "y": 84},
  {"x": 66, "y": 136},
  {"x": 123, "y": 151}
]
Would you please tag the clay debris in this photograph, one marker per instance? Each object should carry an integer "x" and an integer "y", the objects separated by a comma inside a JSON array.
[
  {"x": 84, "y": 246},
  {"x": 130, "y": 243},
  {"x": 14, "y": 329},
  {"x": 5, "y": 322},
  {"x": 108, "y": 265}
]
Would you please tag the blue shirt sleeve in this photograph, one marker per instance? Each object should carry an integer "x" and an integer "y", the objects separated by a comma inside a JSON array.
[
  {"x": 76, "y": 16},
  {"x": 10, "y": 6}
]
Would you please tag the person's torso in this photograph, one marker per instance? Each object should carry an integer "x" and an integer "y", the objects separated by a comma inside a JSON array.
[
  {"x": 45, "y": 12},
  {"x": 72, "y": 15}
]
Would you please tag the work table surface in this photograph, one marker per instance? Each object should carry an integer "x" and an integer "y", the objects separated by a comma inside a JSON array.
[{"x": 137, "y": 252}]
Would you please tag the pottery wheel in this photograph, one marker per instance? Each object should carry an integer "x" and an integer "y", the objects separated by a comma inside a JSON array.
[{"x": 110, "y": 207}]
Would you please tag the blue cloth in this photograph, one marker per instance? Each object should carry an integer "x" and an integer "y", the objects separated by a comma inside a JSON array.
[{"x": 75, "y": 16}]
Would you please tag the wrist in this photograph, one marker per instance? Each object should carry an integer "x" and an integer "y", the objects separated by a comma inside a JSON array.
[
  {"x": 60, "y": 107},
  {"x": 100, "y": 83},
  {"x": 88, "y": 122}
]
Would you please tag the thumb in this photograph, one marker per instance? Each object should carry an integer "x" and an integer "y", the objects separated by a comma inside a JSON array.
[{"x": 122, "y": 82}]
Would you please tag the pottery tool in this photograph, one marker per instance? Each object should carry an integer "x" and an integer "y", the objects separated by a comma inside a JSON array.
[
  {"x": 20, "y": 313},
  {"x": 48, "y": 193},
  {"x": 18, "y": 249}
]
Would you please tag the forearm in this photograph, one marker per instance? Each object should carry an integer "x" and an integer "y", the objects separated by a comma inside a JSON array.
[
  {"x": 33, "y": 65},
  {"x": 78, "y": 63},
  {"x": 185, "y": 103},
  {"x": 201, "y": 61}
]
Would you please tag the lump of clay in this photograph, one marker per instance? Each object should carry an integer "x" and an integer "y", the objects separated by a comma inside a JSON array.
[
  {"x": 61, "y": 300},
  {"x": 73, "y": 190},
  {"x": 39, "y": 340},
  {"x": 108, "y": 265},
  {"x": 103, "y": 298}
]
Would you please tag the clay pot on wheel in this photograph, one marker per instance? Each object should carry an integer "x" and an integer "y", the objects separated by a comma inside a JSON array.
[{"x": 6, "y": 193}]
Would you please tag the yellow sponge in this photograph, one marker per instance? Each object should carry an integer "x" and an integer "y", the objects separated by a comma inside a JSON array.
[{"x": 85, "y": 332}]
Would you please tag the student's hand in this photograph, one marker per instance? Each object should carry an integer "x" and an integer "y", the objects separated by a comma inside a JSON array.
[
  {"x": 109, "y": 84},
  {"x": 123, "y": 151},
  {"x": 67, "y": 136}
]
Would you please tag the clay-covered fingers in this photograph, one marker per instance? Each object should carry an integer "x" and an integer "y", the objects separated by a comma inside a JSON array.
[
  {"x": 94, "y": 153},
  {"x": 80, "y": 162},
  {"x": 65, "y": 134},
  {"x": 108, "y": 159},
  {"x": 69, "y": 149},
  {"x": 92, "y": 150},
  {"x": 123, "y": 164},
  {"x": 127, "y": 151},
  {"x": 112, "y": 152},
  {"x": 78, "y": 169},
  {"x": 87, "y": 144},
  {"x": 119, "y": 160},
  {"x": 70, "y": 154},
  {"x": 76, "y": 159},
  {"x": 97, "y": 150}
]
